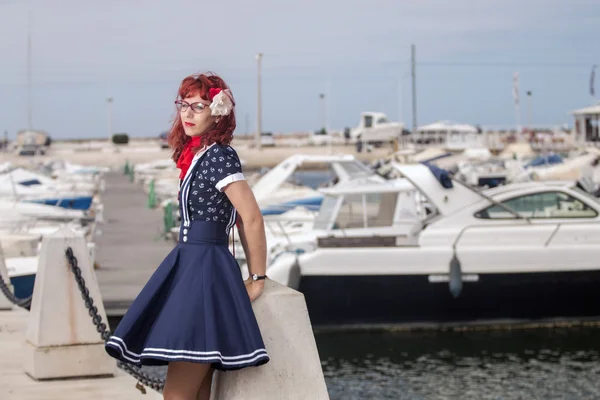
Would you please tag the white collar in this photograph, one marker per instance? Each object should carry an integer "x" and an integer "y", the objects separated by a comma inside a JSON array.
[
  {"x": 199, "y": 153},
  {"x": 195, "y": 159}
]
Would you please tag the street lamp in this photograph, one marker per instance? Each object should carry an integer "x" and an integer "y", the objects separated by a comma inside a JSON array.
[
  {"x": 109, "y": 102},
  {"x": 530, "y": 106},
  {"x": 324, "y": 105}
]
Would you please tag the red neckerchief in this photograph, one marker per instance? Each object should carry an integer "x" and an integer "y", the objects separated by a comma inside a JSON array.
[{"x": 187, "y": 155}]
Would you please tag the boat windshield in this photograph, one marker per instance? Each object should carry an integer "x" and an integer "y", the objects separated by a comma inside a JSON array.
[
  {"x": 326, "y": 214},
  {"x": 366, "y": 210},
  {"x": 588, "y": 195}
]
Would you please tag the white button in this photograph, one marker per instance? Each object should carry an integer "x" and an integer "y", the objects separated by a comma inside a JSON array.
[
  {"x": 185, "y": 238},
  {"x": 185, "y": 231}
]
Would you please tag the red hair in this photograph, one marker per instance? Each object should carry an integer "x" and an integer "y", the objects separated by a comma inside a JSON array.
[{"x": 222, "y": 132}]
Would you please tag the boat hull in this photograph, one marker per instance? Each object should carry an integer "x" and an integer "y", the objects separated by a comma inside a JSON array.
[
  {"x": 23, "y": 285},
  {"x": 425, "y": 299},
  {"x": 72, "y": 203}
]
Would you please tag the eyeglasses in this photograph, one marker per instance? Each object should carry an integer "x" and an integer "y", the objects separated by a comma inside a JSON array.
[{"x": 197, "y": 107}]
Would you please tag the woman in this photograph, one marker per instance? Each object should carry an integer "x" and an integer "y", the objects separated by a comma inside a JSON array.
[{"x": 195, "y": 312}]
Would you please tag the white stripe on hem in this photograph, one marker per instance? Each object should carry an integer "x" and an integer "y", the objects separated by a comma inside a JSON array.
[
  {"x": 121, "y": 344},
  {"x": 262, "y": 354},
  {"x": 214, "y": 358},
  {"x": 238, "y": 176},
  {"x": 216, "y": 353},
  {"x": 118, "y": 347}
]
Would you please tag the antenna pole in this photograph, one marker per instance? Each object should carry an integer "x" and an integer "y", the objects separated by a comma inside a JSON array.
[
  {"x": 29, "y": 95},
  {"x": 413, "y": 56}
]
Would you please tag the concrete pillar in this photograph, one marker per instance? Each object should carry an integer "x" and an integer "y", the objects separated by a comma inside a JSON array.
[
  {"x": 294, "y": 370},
  {"x": 5, "y": 304},
  {"x": 61, "y": 339}
]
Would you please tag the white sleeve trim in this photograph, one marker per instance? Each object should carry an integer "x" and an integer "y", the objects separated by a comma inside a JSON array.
[{"x": 238, "y": 176}]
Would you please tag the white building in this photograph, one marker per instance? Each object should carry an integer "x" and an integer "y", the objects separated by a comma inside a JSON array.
[{"x": 587, "y": 124}]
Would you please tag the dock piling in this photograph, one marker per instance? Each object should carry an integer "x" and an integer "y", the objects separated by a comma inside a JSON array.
[
  {"x": 294, "y": 370},
  {"x": 61, "y": 339},
  {"x": 5, "y": 304}
]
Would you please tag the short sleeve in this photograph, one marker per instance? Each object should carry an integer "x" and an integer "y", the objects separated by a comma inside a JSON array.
[{"x": 224, "y": 166}]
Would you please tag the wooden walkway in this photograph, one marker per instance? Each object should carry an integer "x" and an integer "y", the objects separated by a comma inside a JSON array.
[
  {"x": 130, "y": 247},
  {"x": 15, "y": 384}
]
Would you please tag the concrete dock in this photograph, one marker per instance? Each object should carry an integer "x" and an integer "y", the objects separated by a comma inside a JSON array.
[
  {"x": 16, "y": 385},
  {"x": 130, "y": 247}
]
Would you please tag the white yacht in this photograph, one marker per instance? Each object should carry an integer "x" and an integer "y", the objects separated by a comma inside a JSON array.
[{"x": 516, "y": 252}]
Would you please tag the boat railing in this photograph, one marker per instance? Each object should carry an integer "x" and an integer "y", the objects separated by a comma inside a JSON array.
[
  {"x": 387, "y": 235},
  {"x": 284, "y": 226},
  {"x": 546, "y": 244},
  {"x": 25, "y": 224}
]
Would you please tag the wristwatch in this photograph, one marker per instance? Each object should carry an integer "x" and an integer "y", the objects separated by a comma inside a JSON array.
[{"x": 256, "y": 277}]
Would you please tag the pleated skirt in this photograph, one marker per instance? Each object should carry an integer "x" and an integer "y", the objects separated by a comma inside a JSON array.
[{"x": 194, "y": 308}]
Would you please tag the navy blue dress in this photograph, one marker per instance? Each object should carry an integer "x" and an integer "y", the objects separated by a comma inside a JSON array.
[{"x": 195, "y": 306}]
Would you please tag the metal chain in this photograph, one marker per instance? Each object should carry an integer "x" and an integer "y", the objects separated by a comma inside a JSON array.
[
  {"x": 135, "y": 371},
  {"x": 25, "y": 303}
]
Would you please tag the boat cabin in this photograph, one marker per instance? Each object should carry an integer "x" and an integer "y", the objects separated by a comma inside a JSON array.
[
  {"x": 587, "y": 124},
  {"x": 368, "y": 213},
  {"x": 450, "y": 135}
]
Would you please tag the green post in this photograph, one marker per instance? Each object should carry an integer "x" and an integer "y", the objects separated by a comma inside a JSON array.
[
  {"x": 168, "y": 218},
  {"x": 126, "y": 169},
  {"x": 151, "y": 195}
]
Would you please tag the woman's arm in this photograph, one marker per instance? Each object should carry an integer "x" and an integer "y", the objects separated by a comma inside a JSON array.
[
  {"x": 252, "y": 232},
  {"x": 244, "y": 241}
]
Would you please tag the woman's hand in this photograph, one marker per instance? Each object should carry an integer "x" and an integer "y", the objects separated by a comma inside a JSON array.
[{"x": 254, "y": 288}]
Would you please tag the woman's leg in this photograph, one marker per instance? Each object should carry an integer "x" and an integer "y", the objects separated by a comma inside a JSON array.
[
  {"x": 184, "y": 380},
  {"x": 204, "y": 392}
]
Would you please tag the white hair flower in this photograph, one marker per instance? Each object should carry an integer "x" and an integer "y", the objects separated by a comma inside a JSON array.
[{"x": 222, "y": 102}]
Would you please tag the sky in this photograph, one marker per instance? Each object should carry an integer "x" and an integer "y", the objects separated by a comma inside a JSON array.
[{"x": 356, "y": 52}]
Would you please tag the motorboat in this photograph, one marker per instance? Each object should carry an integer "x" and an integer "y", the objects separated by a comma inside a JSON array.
[
  {"x": 289, "y": 210},
  {"x": 26, "y": 186},
  {"x": 517, "y": 252}
]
